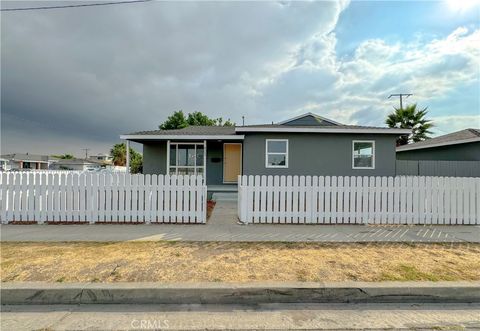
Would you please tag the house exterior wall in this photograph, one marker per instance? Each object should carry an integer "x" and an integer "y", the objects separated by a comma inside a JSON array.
[
  {"x": 14, "y": 165},
  {"x": 18, "y": 165},
  {"x": 155, "y": 157},
  {"x": 309, "y": 154},
  {"x": 319, "y": 154},
  {"x": 459, "y": 152}
]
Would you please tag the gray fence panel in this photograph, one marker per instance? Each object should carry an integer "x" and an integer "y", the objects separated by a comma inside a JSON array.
[
  {"x": 407, "y": 168},
  {"x": 438, "y": 168}
]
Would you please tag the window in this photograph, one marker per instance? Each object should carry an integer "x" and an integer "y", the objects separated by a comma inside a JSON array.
[
  {"x": 276, "y": 155},
  {"x": 186, "y": 159},
  {"x": 363, "y": 154}
]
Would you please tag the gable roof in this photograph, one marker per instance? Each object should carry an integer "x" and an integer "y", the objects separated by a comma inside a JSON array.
[
  {"x": 458, "y": 137},
  {"x": 309, "y": 119}
]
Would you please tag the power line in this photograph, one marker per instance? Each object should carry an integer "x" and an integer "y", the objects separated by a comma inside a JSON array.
[{"x": 75, "y": 6}]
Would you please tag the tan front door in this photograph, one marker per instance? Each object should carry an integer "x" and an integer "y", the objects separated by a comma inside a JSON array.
[{"x": 232, "y": 162}]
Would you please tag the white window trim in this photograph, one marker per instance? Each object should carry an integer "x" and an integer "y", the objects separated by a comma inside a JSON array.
[
  {"x": 267, "y": 153},
  {"x": 204, "y": 167},
  {"x": 353, "y": 153}
]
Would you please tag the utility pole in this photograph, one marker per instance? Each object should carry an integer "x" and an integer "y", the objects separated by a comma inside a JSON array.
[
  {"x": 86, "y": 152},
  {"x": 400, "y": 95},
  {"x": 243, "y": 120}
]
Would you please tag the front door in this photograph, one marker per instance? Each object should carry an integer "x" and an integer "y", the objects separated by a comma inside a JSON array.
[{"x": 232, "y": 162}]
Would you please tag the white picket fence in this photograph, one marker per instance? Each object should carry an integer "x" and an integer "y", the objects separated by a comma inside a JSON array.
[
  {"x": 95, "y": 198},
  {"x": 358, "y": 200}
]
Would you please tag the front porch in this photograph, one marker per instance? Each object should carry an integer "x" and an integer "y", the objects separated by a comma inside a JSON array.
[
  {"x": 215, "y": 152},
  {"x": 225, "y": 192},
  {"x": 219, "y": 161},
  {"x": 222, "y": 188}
]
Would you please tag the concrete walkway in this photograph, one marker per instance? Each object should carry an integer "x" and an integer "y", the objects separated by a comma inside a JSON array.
[
  {"x": 223, "y": 226},
  {"x": 294, "y": 233}
]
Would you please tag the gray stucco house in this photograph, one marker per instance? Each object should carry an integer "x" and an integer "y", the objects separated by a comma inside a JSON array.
[
  {"x": 462, "y": 145},
  {"x": 305, "y": 145}
]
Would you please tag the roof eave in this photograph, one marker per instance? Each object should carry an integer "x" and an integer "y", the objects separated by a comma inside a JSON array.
[
  {"x": 324, "y": 130},
  {"x": 447, "y": 143},
  {"x": 182, "y": 137},
  {"x": 20, "y": 160}
]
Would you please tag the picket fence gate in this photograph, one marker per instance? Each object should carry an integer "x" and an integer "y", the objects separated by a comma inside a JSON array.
[
  {"x": 101, "y": 198},
  {"x": 358, "y": 200}
]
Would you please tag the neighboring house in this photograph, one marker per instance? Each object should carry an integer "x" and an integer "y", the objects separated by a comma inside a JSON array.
[
  {"x": 3, "y": 164},
  {"x": 25, "y": 161},
  {"x": 457, "y": 146},
  {"x": 305, "y": 145},
  {"x": 76, "y": 164},
  {"x": 105, "y": 159}
]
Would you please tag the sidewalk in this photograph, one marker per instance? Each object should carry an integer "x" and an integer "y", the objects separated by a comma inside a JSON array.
[{"x": 222, "y": 226}]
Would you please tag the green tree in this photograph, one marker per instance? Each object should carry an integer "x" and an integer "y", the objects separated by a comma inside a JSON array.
[
  {"x": 410, "y": 118},
  {"x": 175, "y": 121},
  {"x": 119, "y": 153},
  {"x": 198, "y": 118},
  {"x": 178, "y": 120}
]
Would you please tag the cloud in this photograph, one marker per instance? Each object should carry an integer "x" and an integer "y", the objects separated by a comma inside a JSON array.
[
  {"x": 101, "y": 71},
  {"x": 79, "y": 78},
  {"x": 355, "y": 89},
  {"x": 443, "y": 124}
]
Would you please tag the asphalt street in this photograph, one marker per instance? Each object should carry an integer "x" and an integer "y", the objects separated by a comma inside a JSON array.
[{"x": 241, "y": 317}]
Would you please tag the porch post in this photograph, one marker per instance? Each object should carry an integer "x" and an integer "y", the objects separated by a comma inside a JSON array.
[
  {"x": 205, "y": 161},
  {"x": 168, "y": 157},
  {"x": 127, "y": 157}
]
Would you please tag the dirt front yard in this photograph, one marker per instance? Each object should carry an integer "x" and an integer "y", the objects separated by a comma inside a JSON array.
[{"x": 236, "y": 262}]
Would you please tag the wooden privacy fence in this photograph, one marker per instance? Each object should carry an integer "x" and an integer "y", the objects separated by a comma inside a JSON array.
[
  {"x": 97, "y": 198},
  {"x": 359, "y": 200}
]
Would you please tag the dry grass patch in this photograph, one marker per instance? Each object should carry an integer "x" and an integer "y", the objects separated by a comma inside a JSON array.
[{"x": 236, "y": 262}]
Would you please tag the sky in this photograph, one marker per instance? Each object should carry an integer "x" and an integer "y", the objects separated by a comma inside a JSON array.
[{"x": 79, "y": 77}]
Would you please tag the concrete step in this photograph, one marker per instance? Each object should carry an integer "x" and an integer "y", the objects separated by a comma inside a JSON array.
[{"x": 225, "y": 196}]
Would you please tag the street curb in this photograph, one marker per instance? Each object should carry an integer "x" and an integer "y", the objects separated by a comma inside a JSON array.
[{"x": 238, "y": 293}]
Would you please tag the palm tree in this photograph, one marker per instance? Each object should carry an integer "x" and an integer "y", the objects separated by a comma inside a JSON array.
[{"x": 410, "y": 118}]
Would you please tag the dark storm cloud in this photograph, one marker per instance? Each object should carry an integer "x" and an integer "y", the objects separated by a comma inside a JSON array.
[{"x": 76, "y": 77}]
